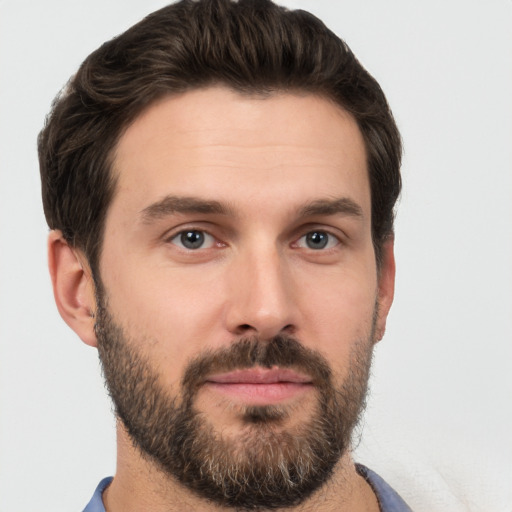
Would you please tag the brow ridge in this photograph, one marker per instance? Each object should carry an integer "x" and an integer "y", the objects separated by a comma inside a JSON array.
[
  {"x": 182, "y": 204},
  {"x": 342, "y": 205},
  {"x": 172, "y": 204}
]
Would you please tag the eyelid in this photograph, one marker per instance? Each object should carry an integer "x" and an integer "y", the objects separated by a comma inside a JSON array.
[
  {"x": 311, "y": 227},
  {"x": 170, "y": 233},
  {"x": 169, "y": 236},
  {"x": 209, "y": 240},
  {"x": 330, "y": 245}
]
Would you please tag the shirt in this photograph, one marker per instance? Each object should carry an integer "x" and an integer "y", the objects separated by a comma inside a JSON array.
[{"x": 389, "y": 500}]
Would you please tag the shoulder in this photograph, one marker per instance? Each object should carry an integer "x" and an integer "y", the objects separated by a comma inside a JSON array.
[
  {"x": 389, "y": 500},
  {"x": 96, "y": 503}
]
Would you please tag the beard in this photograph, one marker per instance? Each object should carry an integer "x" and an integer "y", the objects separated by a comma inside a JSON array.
[{"x": 265, "y": 465}]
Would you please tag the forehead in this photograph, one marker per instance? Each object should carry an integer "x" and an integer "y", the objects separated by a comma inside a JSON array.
[{"x": 219, "y": 143}]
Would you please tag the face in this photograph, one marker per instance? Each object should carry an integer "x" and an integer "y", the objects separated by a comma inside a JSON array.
[{"x": 238, "y": 271}]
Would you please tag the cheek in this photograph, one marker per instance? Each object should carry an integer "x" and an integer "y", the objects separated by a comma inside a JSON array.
[
  {"x": 170, "y": 315},
  {"x": 339, "y": 309},
  {"x": 152, "y": 291},
  {"x": 344, "y": 315}
]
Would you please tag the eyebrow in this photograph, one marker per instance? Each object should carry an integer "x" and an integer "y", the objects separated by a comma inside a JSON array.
[
  {"x": 187, "y": 204},
  {"x": 180, "y": 204},
  {"x": 343, "y": 205}
]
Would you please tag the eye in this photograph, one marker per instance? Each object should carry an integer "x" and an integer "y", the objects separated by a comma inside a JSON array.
[
  {"x": 318, "y": 240},
  {"x": 193, "y": 239}
]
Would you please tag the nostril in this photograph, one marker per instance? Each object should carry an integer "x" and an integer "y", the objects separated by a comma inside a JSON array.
[
  {"x": 243, "y": 328},
  {"x": 289, "y": 329},
  {"x": 247, "y": 328}
]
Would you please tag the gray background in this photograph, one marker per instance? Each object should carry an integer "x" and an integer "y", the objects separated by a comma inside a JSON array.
[{"x": 439, "y": 421}]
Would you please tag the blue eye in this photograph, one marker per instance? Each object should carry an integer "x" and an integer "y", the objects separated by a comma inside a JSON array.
[
  {"x": 193, "y": 239},
  {"x": 318, "y": 240}
]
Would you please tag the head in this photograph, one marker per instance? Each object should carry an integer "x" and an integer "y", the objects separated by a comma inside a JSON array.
[
  {"x": 252, "y": 47},
  {"x": 220, "y": 182}
]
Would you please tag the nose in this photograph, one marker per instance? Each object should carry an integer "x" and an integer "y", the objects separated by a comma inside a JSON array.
[{"x": 262, "y": 299}]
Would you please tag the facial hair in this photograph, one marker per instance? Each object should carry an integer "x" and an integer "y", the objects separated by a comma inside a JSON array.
[{"x": 265, "y": 466}]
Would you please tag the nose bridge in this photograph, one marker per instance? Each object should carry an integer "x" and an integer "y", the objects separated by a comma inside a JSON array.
[{"x": 262, "y": 301}]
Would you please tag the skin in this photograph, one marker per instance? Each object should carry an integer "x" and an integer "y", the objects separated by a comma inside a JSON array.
[{"x": 264, "y": 160}]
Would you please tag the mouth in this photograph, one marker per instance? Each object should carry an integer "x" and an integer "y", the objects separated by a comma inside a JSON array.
[{"x": 260, "y": 386}]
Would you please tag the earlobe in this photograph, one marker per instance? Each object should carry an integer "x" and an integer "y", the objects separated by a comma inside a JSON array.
[
  {"x": 386, "y": 287},
  {"x": 73, "y": 287}
]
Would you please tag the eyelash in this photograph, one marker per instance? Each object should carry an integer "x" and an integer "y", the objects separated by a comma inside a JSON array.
[
  {"x": 183, "y": 232},
  {"x": 332, "y": 240}
]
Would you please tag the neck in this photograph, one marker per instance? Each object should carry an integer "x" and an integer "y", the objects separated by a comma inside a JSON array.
[{"x": 140, "y": 485}]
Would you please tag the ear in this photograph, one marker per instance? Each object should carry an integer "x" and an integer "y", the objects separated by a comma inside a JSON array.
[
  {"x": 73, "y": 287},
  {"x": 386, "y": 287}
]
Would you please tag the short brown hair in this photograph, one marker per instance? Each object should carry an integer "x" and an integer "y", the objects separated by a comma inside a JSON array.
[{"x": 252, "y": 46}]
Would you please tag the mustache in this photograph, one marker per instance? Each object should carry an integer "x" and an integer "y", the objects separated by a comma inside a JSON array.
[{"x": 282, "y": 350}]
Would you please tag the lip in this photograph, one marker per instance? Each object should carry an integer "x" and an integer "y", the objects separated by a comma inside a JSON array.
[
  {"x": 260, "y": 375},
  {"x": 260, "y": 386}
]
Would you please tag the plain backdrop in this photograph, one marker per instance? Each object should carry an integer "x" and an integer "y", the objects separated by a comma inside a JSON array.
[{"x": 439, "y": 421}]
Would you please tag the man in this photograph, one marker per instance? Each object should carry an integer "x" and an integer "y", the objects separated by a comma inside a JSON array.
[{"x": 220, "y": 182}]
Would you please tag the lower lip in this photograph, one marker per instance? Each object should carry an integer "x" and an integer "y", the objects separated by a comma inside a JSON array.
[{"x": 260, "y": 394}]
